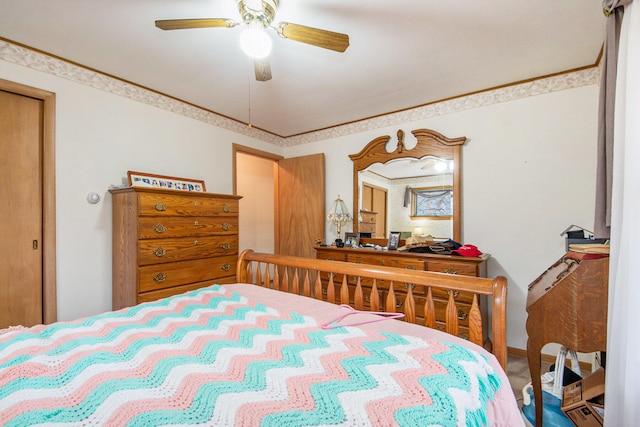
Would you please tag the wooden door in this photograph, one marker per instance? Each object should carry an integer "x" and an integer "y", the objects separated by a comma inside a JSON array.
[
  {"x": 21, "y": 263},
  {"x": 374, "y": 199},
  {"x": 301, "y": 205},
  {"x": 379, "y": 204}
]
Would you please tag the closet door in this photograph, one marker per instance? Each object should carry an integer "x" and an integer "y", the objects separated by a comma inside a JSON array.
[
  {"x": 21, "y": 264},
  {"x": 300, "y": 216}
]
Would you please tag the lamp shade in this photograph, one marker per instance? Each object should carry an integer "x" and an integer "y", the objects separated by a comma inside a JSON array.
[{"x": 339, "y": 214}]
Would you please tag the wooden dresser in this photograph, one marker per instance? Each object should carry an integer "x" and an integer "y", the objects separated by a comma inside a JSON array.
[
  {"x": 167, "y": 242},
  {"x": 367, "y": 222},
  {"x": 451, "y": 264}
]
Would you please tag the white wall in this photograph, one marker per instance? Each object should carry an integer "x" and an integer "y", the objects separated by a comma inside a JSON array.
[
  {"x": 528, "y": 171},
  {"x": 99, "y": 137},
  {"x": 256, "y": 185}
]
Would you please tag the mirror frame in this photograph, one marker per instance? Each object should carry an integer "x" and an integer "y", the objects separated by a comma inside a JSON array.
[{"x": 429, "y": 143}]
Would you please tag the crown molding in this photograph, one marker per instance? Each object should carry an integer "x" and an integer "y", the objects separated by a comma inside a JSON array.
[{"x": 58, "y": 67}]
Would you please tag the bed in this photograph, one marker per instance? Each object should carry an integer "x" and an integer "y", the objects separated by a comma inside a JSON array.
[{"x": 293, "y": 343}]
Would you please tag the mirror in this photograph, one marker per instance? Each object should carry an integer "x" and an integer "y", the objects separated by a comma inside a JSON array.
[{"x": 391, "y": 185}]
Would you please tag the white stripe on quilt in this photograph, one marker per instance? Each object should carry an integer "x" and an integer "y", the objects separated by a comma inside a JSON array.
[
  {"x": 99, "y": 370},
  {"x": 228, "y": 405},
  {"x": 177, "y": 375},
  {"x": 354, "y": 402},
  {"x": 113, "y": 322},
  {"x": 470, "y": 400}
]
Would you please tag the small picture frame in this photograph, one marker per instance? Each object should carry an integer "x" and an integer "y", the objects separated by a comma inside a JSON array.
[
  {"x": 394, "y": 240},
  {"x": 163, "y": 182},
  {"x": 352, "y": 239}
]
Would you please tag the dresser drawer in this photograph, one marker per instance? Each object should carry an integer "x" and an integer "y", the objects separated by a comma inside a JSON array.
[
  {"x": 331, "y": 256},
  {"x": 367, "y": 227},
  {"x": 389, "y": 261},
  {"x": 174, "y": 226},
  {"x": 368, "y": 216},
  {"x": 441, "y": 310},
  {"x": 164, "y": 293},
  {"x": 156, "y": 251},
  {"x": 463, "y": 331},
  {"x": 162, "y": 276},
  {"x": 451, "y": 267},
  {"x": 185, "y": 205}
]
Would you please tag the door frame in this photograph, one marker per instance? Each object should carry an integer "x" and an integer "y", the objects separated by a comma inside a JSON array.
[
  {"x": 236, "y": 148},
  {"x": 49, "y": 292}
]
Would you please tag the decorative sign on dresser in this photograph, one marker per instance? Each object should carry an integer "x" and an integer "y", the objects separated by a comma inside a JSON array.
[
  {"x": 451, "y": 264},
  {"x": 167, "y": 242}
]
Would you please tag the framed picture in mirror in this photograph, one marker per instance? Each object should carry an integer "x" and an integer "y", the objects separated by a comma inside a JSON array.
[
  {"x": 351, "y": 240},
  {"x": 394, "y": 239}
]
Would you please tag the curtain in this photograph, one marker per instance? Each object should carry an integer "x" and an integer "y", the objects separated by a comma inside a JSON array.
[
  {"x": 614, "y": 9},
  {"x": 622, "y": 391}
]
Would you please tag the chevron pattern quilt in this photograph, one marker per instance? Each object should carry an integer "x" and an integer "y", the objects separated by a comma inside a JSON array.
[{"x": 211, "y": 357}]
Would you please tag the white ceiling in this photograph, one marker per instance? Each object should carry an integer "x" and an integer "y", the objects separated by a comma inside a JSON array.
[{"x": 402, "y": 53}]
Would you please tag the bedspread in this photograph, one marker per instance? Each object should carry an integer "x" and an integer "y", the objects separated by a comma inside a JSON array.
[{"x": 215, "y": 357}]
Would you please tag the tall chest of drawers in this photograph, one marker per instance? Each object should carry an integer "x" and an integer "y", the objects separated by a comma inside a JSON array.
[
  {"x": 168, "y": 242},
  {"x": 450, "y": 264}
]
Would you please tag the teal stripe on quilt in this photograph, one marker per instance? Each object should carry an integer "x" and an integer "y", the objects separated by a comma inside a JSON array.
[
  {"x": 255, "y": 376},
  {"x": 328, "y": 408},
  {"x": 158, "y": 375},
  {"x": 443, "y": 411},
  {"x": 131, "y": 312}
]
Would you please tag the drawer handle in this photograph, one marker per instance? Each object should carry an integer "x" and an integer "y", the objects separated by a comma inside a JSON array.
[
  {"x": 226, "y": 209},
  {"x": 455, "y": 293},
  {"x": 196, "y": 223},
  {"x": 226, "y": 227},
  {"x": 225, "y": 267},
  {"x": 160, "y": 277},
  {"x": 410, "y": 267},
  {"x": 399, "y": 304},
  {"x": 196, "y": 203},
  {"x": 195, "y": 243},
  {"x": 330, "y": 259},
  {"x": 159, "y": 228},
  {"x": 406, "y": 286},
  {"x": 160, "y": 252},
  {"x": 382, "y": 262},
  {"x": 226, "y": 246},
  {"x": 450, "y": 271},
  {"x": 462, "y": 315},
  {"x": 159, "y": 206}
]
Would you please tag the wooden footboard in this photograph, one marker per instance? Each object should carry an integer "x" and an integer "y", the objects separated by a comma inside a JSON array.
[{"x": 385, "y": 289}]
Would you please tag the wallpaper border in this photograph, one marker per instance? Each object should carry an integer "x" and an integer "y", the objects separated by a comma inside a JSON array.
[{"x": 44, "y": 63}]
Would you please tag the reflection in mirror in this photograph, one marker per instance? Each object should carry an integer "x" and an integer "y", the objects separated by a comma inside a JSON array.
[{"x": 413, "y": 190}]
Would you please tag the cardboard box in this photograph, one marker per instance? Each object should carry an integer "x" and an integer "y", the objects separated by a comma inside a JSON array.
[{"x": 583, "y": 401}]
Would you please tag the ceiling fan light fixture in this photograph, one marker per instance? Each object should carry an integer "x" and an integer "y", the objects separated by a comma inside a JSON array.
[{"x": 255, "y": 42}]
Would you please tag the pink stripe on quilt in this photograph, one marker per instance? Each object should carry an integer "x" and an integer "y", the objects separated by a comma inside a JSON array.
[
  {"x": 414, "y": 394},
  {"x": 33, "y": 369},
  {"x": 184, "y": 394},
  {"x": 135, "y": 368}
]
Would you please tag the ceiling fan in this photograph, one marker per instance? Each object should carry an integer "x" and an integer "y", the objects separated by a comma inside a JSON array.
[{"x": 258, "y": 15}]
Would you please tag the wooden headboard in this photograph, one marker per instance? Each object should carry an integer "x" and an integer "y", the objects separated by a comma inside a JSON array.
[{"x": 342, "y": 283}]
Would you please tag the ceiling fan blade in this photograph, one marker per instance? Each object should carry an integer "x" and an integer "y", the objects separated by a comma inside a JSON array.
[
  {"x": 314, "y": 36},
  {"x": 181, "y": 24},
  {"x": 262, "y": 69}
]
